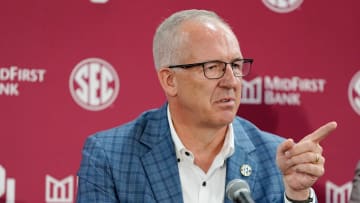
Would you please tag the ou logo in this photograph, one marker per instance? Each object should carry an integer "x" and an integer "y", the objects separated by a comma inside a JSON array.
[
  {"x": 282, "y": 6},
  {"x": 354, "y": 92},
  {"x": 7, "y": 185},
  {"x": 94, "y": 84}
]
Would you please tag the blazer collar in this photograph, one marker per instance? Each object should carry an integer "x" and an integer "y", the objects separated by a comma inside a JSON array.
[
  {"x": 242, "y": 159},
  {"x": 160, "y": 162}
]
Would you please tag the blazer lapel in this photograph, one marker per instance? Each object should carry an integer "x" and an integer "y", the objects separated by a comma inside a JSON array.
[
  {"x": 242, "y": 157},
  {"x": 160, "y": 162}
]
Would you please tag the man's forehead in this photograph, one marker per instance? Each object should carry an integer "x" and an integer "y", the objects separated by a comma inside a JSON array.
[{"x": 202, "y": 39}]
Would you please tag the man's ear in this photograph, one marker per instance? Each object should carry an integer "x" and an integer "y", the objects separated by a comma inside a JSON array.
[{"x": 167, "y": 81}]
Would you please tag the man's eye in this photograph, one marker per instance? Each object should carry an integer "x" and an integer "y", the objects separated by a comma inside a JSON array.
[
  {"x": 212, "y": 66},
  {"x": 236, "y": 66}
]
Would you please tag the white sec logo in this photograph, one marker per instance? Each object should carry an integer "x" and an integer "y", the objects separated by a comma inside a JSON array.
[
  {"x": 282, "y": 6},
  {"x": 94, "y": 84},
  {"x": 354, "y": 92}
]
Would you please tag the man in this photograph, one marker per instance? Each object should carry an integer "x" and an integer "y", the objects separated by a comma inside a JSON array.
[
  {"x": 355, "y": 192},
  {"x": 189, "y": 149}
]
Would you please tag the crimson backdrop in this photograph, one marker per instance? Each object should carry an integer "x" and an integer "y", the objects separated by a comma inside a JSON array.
[{"x": 307, "y": 59}]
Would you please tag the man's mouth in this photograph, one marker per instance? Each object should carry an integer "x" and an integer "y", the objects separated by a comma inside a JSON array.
[{"x": 225, "y": 100}]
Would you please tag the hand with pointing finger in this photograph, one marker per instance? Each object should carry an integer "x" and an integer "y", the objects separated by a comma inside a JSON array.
[{"x": 302, "y": 163}]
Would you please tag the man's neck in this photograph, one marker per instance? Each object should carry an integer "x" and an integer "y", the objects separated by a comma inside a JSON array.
[{"x": 205, "y": 144}]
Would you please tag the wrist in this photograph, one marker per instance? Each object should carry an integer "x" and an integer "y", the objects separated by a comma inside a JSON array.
[
  {"x": 308, "y": 199},
  {"x": 297, "y": 194}
]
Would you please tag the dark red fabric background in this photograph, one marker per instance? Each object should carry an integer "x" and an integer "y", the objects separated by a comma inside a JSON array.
[{"x": 42, "y": 130}]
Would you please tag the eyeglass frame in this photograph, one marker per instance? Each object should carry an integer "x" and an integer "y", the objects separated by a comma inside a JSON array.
[{"x": 202, "y": 64}]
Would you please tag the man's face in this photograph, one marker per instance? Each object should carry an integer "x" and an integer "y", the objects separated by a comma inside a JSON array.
[{"x": 208, "y": 102}]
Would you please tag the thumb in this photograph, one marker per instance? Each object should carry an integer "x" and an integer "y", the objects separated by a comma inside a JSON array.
[
  {"x": 285, "y": 146},
  {"x": 281, "y": 156}
]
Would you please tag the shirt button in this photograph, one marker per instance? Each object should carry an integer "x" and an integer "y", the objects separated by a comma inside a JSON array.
[
  {"x": 187, "y": 153},
  {"x": 204, "y": 184}
]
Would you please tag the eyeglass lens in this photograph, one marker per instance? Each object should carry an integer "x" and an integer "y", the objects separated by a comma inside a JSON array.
[{"x": 217, "y": 69}]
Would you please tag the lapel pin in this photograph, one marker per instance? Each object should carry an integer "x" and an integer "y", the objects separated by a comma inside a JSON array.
[{"x": 245, "y": 170}]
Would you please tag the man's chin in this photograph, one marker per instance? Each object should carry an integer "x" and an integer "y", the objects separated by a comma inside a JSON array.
[{"x": 227, "y": 118}]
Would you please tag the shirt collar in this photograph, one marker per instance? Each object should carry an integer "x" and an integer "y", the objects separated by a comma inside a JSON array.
[{"x": 226, "y": 151}]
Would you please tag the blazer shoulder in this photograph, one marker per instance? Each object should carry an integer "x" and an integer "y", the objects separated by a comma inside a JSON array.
[
  {"x": 132, "y": 127},
  {"x": 255, "y": 134},
  {"x": 130, "y": 133}
]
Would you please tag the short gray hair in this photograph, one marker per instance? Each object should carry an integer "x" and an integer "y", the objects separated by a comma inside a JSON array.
[{"x": 168, "y": 39}]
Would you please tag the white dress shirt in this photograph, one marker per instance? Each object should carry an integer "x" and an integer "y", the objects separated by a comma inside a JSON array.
[{"x": 198, "y": 186}]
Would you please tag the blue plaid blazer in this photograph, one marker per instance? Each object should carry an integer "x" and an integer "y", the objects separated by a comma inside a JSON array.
[{"x": 136, "y": 162}]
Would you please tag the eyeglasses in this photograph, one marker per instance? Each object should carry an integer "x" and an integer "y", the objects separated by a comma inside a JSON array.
[{"x": 216, "y": 69}]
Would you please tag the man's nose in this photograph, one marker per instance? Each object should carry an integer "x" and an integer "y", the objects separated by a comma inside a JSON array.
[
  {"x": 229, "y": 71},
  {"x": 229, "y": 76}
]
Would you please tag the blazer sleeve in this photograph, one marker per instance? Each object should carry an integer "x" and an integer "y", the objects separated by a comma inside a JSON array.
[{"x": 94, "y": 176}]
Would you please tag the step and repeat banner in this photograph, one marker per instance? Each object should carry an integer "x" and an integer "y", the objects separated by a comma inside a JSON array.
[{"x": 71, "y": 68}]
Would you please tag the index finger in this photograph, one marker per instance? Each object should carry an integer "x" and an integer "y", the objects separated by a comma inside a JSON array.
[{"x": 322, "y": 132}]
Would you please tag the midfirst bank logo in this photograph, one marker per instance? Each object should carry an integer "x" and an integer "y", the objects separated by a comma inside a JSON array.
[
  {"x": 11, "y": 77},
  {"x": 94, "y": 84},
  {"x": 338, "y": 194},
  {"x": 282, "y": 6},
  {"x": 273, "y": 90},
  {"x": 7, "y": 186},
  {"x": 59, "y": 191},
  {"x": 354, "y": 92}
]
